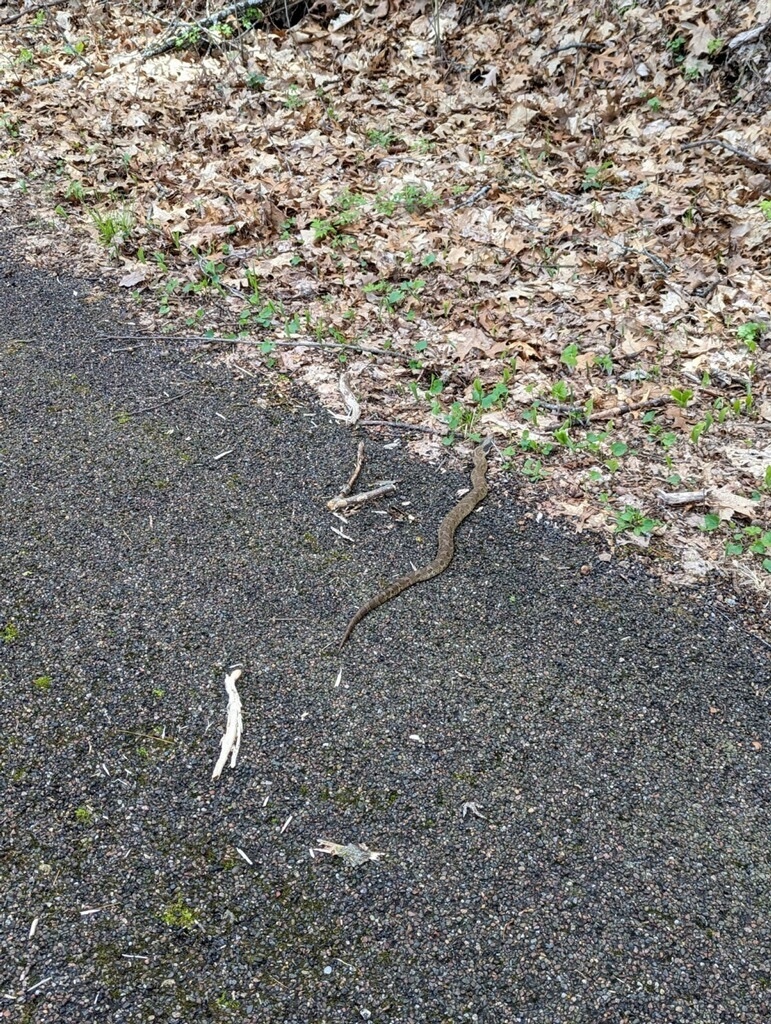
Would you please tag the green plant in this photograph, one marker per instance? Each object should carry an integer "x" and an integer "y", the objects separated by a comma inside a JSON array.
[
  {"x": 394, "y": 295},
  {"x": 211, "y": 275},
  {"x": 77, "y": 49},
  {"x": 412, "y": 198},
  {"x": 294, "y": 100},
  {"x": 701, "y": 427},
  {"x": 605, "y": 363},
  {"x": 489, "y": 400},
  {"x": 714, "y": 46},
  {"x": 255, "y": 82},
  {"x": 42, "y": 683},
  {"x": 226, "y": 1002},
  {"x": 167, "y": 290},
  {"x": 113, "y": 228},
  {"x": 654, "y": 104},
  {"x": 570, "y": 356},
  {"x": 562, "y": 391},
  {"x": 755, "y": 540},
  {"x": 84, "y": 815},
  {"x": 750, "y": 333},
  {"x": 635, "y": 521},
  {"x": 532, "y": 469},
  {"x": 598, "y": 177},
  {"x": 531, "y": 444},
  {"x": 382, "y": 138},
  {"x": 348, "y": 206},
  {"x": 179, "y": 915},
  {"x": 9, "y": 633},
  {"x": 681, "y": 396},
  {"x": 11, "y": 126},
  {"x": 676, "y": 47},
  {"x": 765, "y": 208},
  {"x": 459, "y": 419},
  {"x": 75, "y": 192},
  {"x": 190, "y": 38}
]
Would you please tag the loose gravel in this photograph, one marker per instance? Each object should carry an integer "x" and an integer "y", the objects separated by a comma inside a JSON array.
[{"x": 608, "y": 740}]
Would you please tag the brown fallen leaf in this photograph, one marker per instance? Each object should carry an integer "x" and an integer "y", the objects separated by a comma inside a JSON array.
[
  {"x": 134, "y": 278},
  {"x": 727, "y": 504}
]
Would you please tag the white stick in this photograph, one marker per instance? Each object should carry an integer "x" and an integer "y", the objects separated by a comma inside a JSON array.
[{"x": 231, "y": 741}]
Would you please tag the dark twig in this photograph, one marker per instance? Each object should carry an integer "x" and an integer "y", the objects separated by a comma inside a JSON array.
[
  {"x": 744, "y": 157},
  {"x": 32, "y": 10},
  {"x": 184, "y": 33},
  {"x": 591, "y": 47},
  {"x": 160, "y": 405}
]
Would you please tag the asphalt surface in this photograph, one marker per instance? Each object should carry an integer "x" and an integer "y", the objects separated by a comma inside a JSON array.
[{"x": 615, "y": 737}]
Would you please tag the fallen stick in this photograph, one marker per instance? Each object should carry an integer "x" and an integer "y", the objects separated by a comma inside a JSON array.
[
  {"x": 231, "y": 741},
  {"x": 744, "y": 157}
]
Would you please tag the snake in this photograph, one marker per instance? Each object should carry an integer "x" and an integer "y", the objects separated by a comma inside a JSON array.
[{"x": 445, "y": 546}]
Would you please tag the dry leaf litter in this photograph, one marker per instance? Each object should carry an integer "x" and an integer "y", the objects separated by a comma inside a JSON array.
[{"x": 520, "y": 221}]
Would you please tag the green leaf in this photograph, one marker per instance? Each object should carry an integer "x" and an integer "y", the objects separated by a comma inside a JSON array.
[
  {"x": 733, "y": 547},
  {"x": 570, "y": 356},
  {"x": 711, "y": 522}
]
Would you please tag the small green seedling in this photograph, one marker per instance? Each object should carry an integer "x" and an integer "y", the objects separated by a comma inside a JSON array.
[
  {"x": 84, "y": 815},
  {"x": 750, "y": 334},
  {"x": 636, "y": 522},
  {"x": 681, "y": 396},
  {"x": 179, "y": 915},
  {"x": 9, "y": 633},
  {"x": 533, "y": 470}
]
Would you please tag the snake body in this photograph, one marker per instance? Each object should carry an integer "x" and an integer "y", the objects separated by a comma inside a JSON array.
[{"x": 445, "y": 546}]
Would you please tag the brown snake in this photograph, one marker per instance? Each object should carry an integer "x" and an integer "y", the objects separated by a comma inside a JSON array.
[{"x": 446, "y": 541}]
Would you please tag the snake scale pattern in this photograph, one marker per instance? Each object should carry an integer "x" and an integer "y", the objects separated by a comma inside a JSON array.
[{"x": 445, "y": 546}]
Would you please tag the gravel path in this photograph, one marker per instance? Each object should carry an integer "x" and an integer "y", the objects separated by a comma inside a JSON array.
[{"x": 614, "y": 737}]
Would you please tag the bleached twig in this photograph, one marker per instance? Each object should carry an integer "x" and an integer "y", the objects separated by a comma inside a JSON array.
[
  {"x": 682, "y": 497},
  {"x": 386, "y": 487},
  {"x": 231, "y": 741},
  {"x": 352, "y": 407},
  {"x": 354, "y": 854}
]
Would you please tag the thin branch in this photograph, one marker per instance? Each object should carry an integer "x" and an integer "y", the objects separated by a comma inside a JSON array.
[
  {"x": 353, "y": 500},
  {"x": 750, "y": 36},
  {"x": 349, "y": 346},
  {"x": 591, "y": 47},
  {"x": 346, "y": 490},
  {"x": 744, "y": 157},
  {"x": 184, "y": 33},
  {"x": 160, "y": 405},
  {"x": 32, "y": 10},
  {"x": 622, "y": 410},
  {"x": 399, "y": 426}
]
